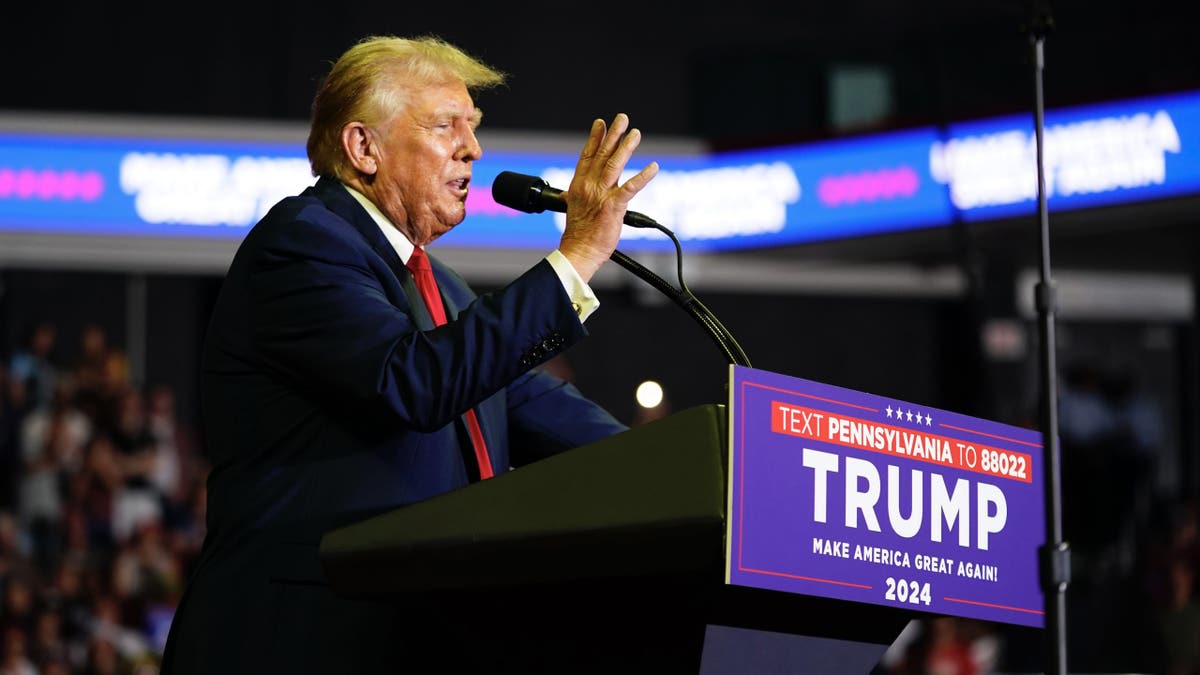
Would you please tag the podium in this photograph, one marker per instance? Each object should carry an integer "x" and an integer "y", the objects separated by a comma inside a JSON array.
[{"x": 606, "y": 558}]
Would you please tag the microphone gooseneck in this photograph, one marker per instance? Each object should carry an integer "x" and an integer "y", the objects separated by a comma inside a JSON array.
[
  {"x": 690, "y": 304},
  {"x": 531, "y": 194}
]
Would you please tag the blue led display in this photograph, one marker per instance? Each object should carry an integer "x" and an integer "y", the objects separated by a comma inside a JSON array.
[{"x": 1121, "y": 152}]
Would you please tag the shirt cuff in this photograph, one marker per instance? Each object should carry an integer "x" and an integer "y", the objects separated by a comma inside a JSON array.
[{"x": 582, "y": 298}]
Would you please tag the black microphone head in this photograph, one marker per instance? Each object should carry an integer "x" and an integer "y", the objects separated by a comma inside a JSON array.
[{"x": 519, "y": 191}]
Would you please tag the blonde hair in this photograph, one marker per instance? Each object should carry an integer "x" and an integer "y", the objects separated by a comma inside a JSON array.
[{"x": 371, "y": 81}]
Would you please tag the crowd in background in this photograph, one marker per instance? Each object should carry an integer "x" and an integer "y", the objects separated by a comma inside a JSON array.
[
  {"x": 102, "y": 515},
  {"x": 101, "y": 510}
]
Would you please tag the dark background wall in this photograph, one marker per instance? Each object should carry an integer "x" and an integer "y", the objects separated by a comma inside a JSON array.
[{"x": 735, "y": 73}]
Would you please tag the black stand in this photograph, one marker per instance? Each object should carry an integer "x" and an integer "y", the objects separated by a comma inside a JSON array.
[{"x": 1055, "y": 554}]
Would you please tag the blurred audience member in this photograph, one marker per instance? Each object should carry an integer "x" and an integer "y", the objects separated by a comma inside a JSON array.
[
  {"x": 13, "y": 657},
  {"x": 138, "y": 502},
  {"x": 46, "y": 643},
  {"x": 187, "y": 524},
  {"x": 146, "y": 576},
  {"x": 14, "y": 551},
  {"x": 172, "y": 443},
  {"x": 1177, "y": 540},
  {"x": 101, "y": 372},
  {"x": 17, "y": 605},
  {"x": 66, "y": 595},
  {"x": 103, "y": 658},
  {"x": 107, "y": 628},
  {"x": 944, "y": 645},
  {"x": 53, "y": 438},
  {"x": 70, "y": 425},
  {"x": 1180, "y": 620},
  {"x": 949, "y": 651},
  {"x": 54, "y": 667},
  {"x": 12, "y": 408},
  {"x": 33, "y": 365},
  {"x": 94, "y": 490}
]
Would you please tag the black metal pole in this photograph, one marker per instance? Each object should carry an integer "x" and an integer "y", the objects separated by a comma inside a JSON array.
[{"x": 1055, "y": 559}]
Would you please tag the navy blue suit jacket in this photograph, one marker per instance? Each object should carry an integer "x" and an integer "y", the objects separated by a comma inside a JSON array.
[{"x": 328, "y": 396}]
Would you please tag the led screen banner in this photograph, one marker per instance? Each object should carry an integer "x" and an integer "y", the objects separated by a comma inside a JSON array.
[
  {"x": 847, "y": 495},
  {"x": 1097, "y": 155}
]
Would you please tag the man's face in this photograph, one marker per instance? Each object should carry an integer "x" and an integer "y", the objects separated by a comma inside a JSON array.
[{"x": 425, "y": 154}]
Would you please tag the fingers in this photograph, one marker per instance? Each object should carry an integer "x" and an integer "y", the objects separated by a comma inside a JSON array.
[
  {"x": 595, "y": 137},
  {"x": 616, "y": 149},
  {"x": 602, "y": 162},
  {"x": 596, "y": 200},
  {"x": 607, "y": 150},
  {"x": 605, "y": 154},
  {"x": 635, "y": 183}
]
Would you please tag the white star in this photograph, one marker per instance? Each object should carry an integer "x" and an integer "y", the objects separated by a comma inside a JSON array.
[
  {"x": 908, "y": 417},
  {"x": 928, "y": 419},
  {"x": 889, "y": 412}
]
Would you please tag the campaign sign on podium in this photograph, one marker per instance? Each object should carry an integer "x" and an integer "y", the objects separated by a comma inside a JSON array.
[{"x": 847, "y": 495}]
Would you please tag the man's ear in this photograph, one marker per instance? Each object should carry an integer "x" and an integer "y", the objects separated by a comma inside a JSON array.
[{"x": 360, "y": 149}]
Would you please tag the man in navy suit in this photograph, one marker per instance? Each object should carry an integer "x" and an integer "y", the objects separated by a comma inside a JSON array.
[{"x": 329, "y": 391}]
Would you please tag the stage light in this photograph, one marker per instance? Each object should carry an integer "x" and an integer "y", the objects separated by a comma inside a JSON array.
[{"x": 649, "y": 394}]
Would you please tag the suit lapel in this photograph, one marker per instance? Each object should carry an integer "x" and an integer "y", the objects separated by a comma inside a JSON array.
[
  {"x": 338, "y": 200},
  {"x": 447, "y": 298},
  {"x": 416, "y": 303}
]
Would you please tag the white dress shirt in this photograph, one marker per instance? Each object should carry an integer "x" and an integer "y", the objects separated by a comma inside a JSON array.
[{"x": 583, "y": 299}]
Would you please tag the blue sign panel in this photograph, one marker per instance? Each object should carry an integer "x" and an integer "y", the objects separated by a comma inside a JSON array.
[{"x": 846, "y": 495}]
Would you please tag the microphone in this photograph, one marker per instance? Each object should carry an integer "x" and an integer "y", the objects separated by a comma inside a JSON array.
[{"x": 531, "y": 194}]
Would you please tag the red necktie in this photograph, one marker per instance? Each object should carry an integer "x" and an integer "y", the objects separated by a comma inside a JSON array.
[{"x": 422, "y": 273}]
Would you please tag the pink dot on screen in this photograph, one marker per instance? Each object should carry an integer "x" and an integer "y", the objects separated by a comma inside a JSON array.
[
  {"x": 871, "y": 185},
  {"x": 908, "y": 181},
  {"x": 829, "y": 190},
  {"x": 68, "y": 185},
  {"x": 868, "y": 186},
  {"x": 50, "y": 184},
  {"x": 91, "y": 186},
  {"x": 47, "y": 184},
  {"x": 26, "y": 183}
]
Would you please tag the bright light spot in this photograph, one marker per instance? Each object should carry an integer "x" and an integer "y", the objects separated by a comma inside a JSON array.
[{"x": 649, "y": 394}]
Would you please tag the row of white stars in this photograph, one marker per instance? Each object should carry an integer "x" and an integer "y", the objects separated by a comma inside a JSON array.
[{"x": 909, "y": 415}]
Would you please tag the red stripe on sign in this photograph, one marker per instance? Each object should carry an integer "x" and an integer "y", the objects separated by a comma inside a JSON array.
[
  {"x": 797, "y": 576},
  {"x": 887, "y": 439},
  {"x": 992, "y": 604}
]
